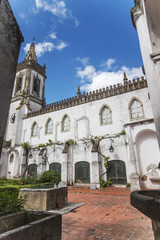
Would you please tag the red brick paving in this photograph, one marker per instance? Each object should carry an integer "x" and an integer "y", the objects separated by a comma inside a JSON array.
[{"x": 107, "y": 214}]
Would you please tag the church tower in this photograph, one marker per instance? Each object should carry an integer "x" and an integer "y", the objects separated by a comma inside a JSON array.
[
  {"x": 27, "y": 96},
  {"x": 29, "y": 83}
]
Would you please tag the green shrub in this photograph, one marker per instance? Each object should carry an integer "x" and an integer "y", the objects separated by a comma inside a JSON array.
[
  {"x": 10, "y": 203},
  {"x": 29, "y": 180},
  {"x": 105, "y": 183},
  {"x": 128, "y": 185},
  {"x": 56, "y": 177},
  {"x": 50, "y": 176},
  {"x": 9, "y": 188}
]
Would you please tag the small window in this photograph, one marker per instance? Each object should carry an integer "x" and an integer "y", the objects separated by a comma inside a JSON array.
[
  {"x": 49, "y": 127},
  {"x": 18, "y": 84},
  {"x": 36, "y": 85},
  {"x": 11, "y": 158},
  {"x": 105, "y": 115},
  {"x": 136, "y": 109},
  {"x": 65, "y": 123},
  {"x": 34, "y": 132}
]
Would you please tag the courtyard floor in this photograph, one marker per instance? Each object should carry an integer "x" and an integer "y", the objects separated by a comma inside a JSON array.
[{"x": 107, "y": 214}]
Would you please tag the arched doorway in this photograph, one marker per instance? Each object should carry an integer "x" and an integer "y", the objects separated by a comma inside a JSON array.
[
  {"x": 117, "y": 172},
  {"x": 82, "y": 172},
  {"x": 55, "y": 166},
  {"x": 147, "y": 150},
  {"x": 32, "y": 170}
]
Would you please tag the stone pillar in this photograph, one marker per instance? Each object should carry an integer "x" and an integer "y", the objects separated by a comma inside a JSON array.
[
  {"x": 10, "y": 42},
  {"x": 145, "y": 17},
  {"x": 134, "y": 177},
  {"x": 94, "y": 171},
  {"x": 64, "y": 171}
]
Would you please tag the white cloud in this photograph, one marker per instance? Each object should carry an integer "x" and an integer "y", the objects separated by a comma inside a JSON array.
[
  {"x": 41, "y": 48},
  {"x": 56, "y": 7},
  {"x": 44, "y": 47},
  {"x": 61, "y": 45},
  {"x": 108, "y": 64},
  {"x": 93, "y": 79},
  {"x": 84, "y": 61},
  {"x": 76, "y": 22},
  {"x": 53, "y": 35},
  {"x": 87, "y": 73},
  {"x": 39, "y": 3}
]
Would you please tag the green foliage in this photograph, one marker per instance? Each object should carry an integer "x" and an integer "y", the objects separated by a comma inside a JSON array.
[
  {"x": 29, "y": 180},
  {"x": 97, "y": 138},
  {"x": 128, "y": 185},
  {"x": 49, "y": 143},
  {"x": 41, "y": 145},
  {"x": 106, "y": 165},
  {"x": 10, "y": 203},
  {"x": 71, "y": 142},
  {"x": 123, "y": 132},
  {"x": 26, "y": 145},
  {"x": 9, "y": 188},
  {"x": 50, "y": 176},
  {"x": 105, "y": 183}
]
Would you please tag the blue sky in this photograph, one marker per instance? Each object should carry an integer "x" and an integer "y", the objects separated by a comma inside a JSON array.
[{"x": 86, "y": 43}]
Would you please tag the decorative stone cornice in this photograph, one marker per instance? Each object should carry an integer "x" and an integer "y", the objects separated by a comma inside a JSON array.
[
  {"x": 114, "y": 90},
  {"x": 26, "y": 64},
  {"x": 140, "y": 122},
  {"x": 136, "y": 11},
  {"x": 155, "y": 57}
]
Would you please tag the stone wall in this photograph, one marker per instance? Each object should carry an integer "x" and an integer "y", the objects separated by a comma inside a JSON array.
[
  {"x": 31, "y": 225},
  {"x": 10, "y": 42}
]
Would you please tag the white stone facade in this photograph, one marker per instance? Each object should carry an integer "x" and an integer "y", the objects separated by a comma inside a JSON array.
[{"x": 78, "y": 118}]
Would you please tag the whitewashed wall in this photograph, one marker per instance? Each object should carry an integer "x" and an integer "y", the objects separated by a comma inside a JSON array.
[{"x": 85, "y": 121}]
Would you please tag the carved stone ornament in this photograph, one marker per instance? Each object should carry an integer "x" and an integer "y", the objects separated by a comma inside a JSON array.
[{"x": 136, "y": 11}]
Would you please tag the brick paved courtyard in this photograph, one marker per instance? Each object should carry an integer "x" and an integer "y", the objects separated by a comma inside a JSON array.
[{"x": 107, "y": 214}]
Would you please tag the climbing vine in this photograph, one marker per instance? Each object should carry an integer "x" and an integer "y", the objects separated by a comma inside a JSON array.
[{"x": 95, "y": 140}]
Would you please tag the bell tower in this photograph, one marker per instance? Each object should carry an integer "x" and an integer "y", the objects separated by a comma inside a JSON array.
[
  {"x": 29, "y": 83},
  {"x": 27, "y": 96}
]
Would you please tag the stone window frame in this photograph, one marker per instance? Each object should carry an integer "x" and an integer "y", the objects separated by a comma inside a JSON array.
[
  {"x": 37, "y": 79},
  {"x": 11, "y": 158},
  {"x": 129, "y": 109},
  {"x": 67, "y": 130},
  {"x": 49, "y": 119},
  {"x": 100, "y": 115},
  {"x": 34, "y": 123},
  {"x": 20, "y": 76}
]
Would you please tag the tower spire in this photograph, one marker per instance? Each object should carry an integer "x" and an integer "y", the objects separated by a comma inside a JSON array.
[
  {"x": 125, "y": 79},
  {"x": 31, "y": 55},
  {"x": 79, "y": 92}
]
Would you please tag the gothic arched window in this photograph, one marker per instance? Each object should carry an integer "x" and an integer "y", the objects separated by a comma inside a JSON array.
[
  {"x": 136, "y": 109},
  {"x": 49, "y": 127},
  {"x": 34, "y": 130},
  {"x": 18, "y": 84},
  {"x": 65, "y": 123},
  {"x": 105, "y": 115},
  {"x": 36, "y": 85}
]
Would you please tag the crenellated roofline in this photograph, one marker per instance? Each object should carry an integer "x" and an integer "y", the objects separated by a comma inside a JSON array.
[{"x": 114, "y": 90}]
